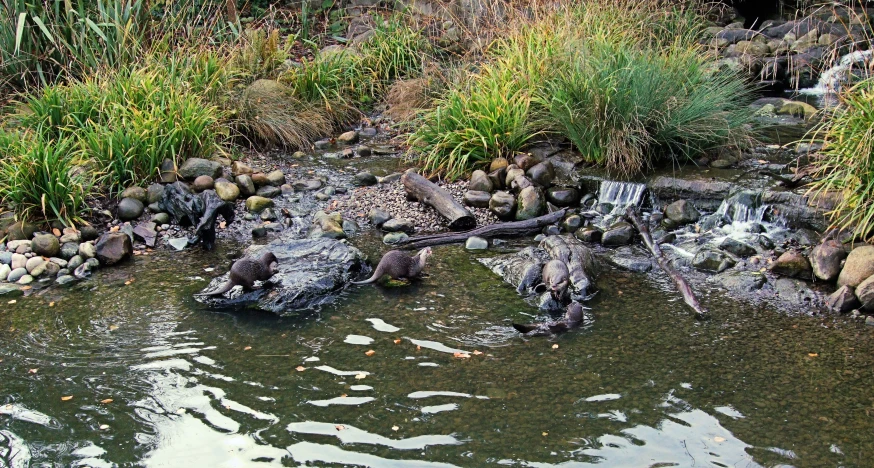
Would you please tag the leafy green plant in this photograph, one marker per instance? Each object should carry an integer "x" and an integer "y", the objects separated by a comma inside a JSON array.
[
  {"x": 846, "y": 168},
  {"x": 488, "y": 117},
  {"x": 261, "y": 54},
  {"x": 393, "y": 51},
  {"x": 41, "y": 178}
]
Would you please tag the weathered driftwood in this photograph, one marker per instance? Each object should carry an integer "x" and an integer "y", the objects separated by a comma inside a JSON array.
[
  {"x": 683, "y": 286},
  {"x": 515, "y": 228},
  {"x": 430, "y": 194},
  {"x": 579, "y": 259}
]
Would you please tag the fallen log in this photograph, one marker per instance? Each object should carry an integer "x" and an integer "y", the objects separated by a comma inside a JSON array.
[
  {"x": 515, "y": 228},
  {"x": 430, "y": 194},
  {"x": 683, "y": 286}
]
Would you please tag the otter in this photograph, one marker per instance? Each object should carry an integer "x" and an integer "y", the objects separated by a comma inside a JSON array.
[
  {"x": 399, "y": 265},
  {"x": 573, "y": 318},
  {"x": 246, "y": 271},
  {"x": 556, "y": 278}
]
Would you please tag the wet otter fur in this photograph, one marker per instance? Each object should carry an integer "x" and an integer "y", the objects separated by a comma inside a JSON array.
[
  {"x": 399, "y": 265},
  {"x": 556, "y": 279},
  {"x": 246, "y": 271},
  {"x": 573, "y": 318}
]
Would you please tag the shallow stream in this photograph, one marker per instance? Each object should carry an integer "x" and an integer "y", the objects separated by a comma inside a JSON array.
[{"x": 645, "y": 385}]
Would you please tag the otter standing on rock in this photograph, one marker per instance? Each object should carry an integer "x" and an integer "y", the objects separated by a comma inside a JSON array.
[
  {"x": 573, "y": 318},
  {"x": 399, "y": 265},
  {"x": 556, "y": 278},
  {"x": 246, "y": 271}
]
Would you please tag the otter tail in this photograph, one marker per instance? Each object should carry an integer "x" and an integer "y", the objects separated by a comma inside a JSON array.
[
  {"x": 370, "y": 280},
  {"x": 227, "y": 287}
]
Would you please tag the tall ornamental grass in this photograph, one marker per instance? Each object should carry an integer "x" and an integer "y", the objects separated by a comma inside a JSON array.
[{"x": 847, "y": 164}]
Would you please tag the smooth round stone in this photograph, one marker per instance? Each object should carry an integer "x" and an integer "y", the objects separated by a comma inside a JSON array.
[
  {"x": 52, "y": 269},
  {"x": 364, "y": 151},
  {"x": 4, "y": 271},
  {"x": 258, "y": 232},
  {"x": 137, "y": 193},
  {"x": 572, "y": 223},
  {"x": 161, "y": 218},
  {"x": 395, "y": 237},
  {"x": 269, "y": 191},
  {"x": 6, "y": 258},
  {"x": 322, "y": 196},
  {"x": 26, "y": 279},
  {"x": 46, "y": 245},
  {"x": 202, "y": 183},
  {"x": 477, "y": 199},
  {"x": 227, "y": 191},
  {"x": 476, "y": 243},
  {"x": 16, "y": 275},
  {"x": 130, "y": 208},
  {"x": 502, "y": 204},
  {"x": 551, "y": 230},
  {"x": 155, "y": 193},
  {"x": 65, "y": 279},
  {"x": 75, "y": 262},
  {"x": 275, "y": 178},
  {"x": 307, "y": 185},
  {"x": 246, "y": 184},
  {"x": 399, "y": 225},
  {"x": 260, "y": 179},
  {"x": 39, "y": 270},
  {"x": 498, "y": 163},
  {"x": 348, "y": 138},
  {"x": 88, "y": 233},
  {"x": 18, "y": 261},
  {"x": 256, "y": 204},
  {"x": 378, "y": 217},
  {"x": 350, "y": 227},
  {"x": 563, "y": 196},
  {"x": 33, "y": 263},
  {"x": 365, "y": 179},
  {"x": 86, "y": 250}
]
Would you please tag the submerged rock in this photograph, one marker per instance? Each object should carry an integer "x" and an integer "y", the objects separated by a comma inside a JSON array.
[
  {"x": 736, "y": 247},
  {"x": 310, "y": 273},
  {"x": 741, "y": 281}
]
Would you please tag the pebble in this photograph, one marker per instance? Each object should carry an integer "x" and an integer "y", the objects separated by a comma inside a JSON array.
[
  {"x": 16, "y": 274},
  {"x": 18, "y": 261},
  {"x": 6, "y": 258},
  {"x": 26, "y": 279},
  {"x": 4, "y": 271},
  {"x": 395, "y": 237},
  {"x": 65, "y": 279}
]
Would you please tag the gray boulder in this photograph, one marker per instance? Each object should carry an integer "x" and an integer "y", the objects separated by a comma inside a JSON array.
[
  {"x": 256, "y": 204},
  {"x": 531, "y": 203},
  {"x": 736, "y": 247},
  {"x": 246, "y": 185},
  {"x": 680, "y": 213},
  {"x": 69, "y": 250},
  {"x": 618, "y": 234},
  {"x": 399, "y": 225},
  {"x": 563, "y": 196},
  {"x": 859, "y": 266},
  {"x": 202, "y": 183},
  {"x": 46, "y": 245},
  {"x": 589, "y": 234},
  {"x": 843, "y": 300},
  {"x": 394, "y": 238},
  {"x": 542, "y": 174},
  {"x": 378, "y": 217},
  {"x": 502, "y": 204},
  {"x": 792, "y": 264},
  {"x": 16, "y": 275},
  {"x": 479, "y": 182},
  {"x": 825, "y": 260},
  {"x": 137, "y": 193},
  {"x": 227, "y": 191},
  {"x": 130, "y": 208},
  {"x": 275, "y": 178},
  {"x": 269, "y": 191},
  {"x": 113, "y": 247},
  {"x": 712, "y": 260},
  {"x": 477, "y": 199},
  {"x": 196, "y": 167},
  {"x": 865, "y": 293},
  {"x": 365, "y": 179}
]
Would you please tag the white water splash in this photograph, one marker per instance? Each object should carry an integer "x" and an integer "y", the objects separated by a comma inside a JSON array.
[
  {"x": 621, "y": 194},
  {"x": 832, "y": 80},
  {"x": 739, "y": 212}
]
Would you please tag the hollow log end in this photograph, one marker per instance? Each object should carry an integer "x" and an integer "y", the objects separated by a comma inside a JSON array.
[{"x": 463, "y": 223}]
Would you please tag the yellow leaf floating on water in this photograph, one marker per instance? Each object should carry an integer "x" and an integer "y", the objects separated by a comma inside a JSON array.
[
  {"x": 106, "y": 401},
  {"x": 477, "y": 353},
  {"x": 12, "y": 301},
  {"x": 300, "y": 368},
  {"x": 545, "y": 434},
  {"x": 361, "y": 376},
  {"x": 339, "y": 427},
  {"x": 461, "y": 355},
  {"x": 51, "y": 304},
  {"x": 67, "y": 398},
  {"x": 394, "y": 428},
  {"x": 370, "y": 352},
  {"x": 104, "y": 427},
  {"x": 813, "y": 354},
  {"x": 555, "y": 346},
  {"x": 32, "y": 371},
  {"x": 247, "y": 348},
  {"x": 397, "y": 341},
  {"x": 719, "y": 439}
]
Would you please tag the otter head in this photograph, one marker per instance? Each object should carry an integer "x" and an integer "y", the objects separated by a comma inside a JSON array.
[
  {"x": 268, "y": 258},
  {"x": 425, "y": 253},
  {"x": 574, "y": 312}
]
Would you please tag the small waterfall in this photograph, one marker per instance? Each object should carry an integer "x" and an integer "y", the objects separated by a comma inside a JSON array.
[
  {"x": 831, "y": 80},
  {"x": 621, "y": 194},
  {"x": 739, "y": 212}
]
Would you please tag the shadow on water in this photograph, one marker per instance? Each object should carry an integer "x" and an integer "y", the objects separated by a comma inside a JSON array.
[{"x": 645, "y": 385}]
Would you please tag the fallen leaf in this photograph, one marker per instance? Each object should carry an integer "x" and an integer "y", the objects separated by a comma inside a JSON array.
[
  {"x": 106, "y": 401},
  {"x": 397, "y": 341},
  {"x": 67, "y": 398},
  {"x": 370, "y": 352},
  {"x": 300, "y": 368},
  {"x": 113, "y": 327},
  {"x": 127, "y": 283},
  {"x": 114, "y": 228},
  {"x": 545, "y": 434},
  {"x": 361, "y": 376},
  {"x": 12, "y": 301},
  {"x": 104, "y": 427},
  {"x": 343, "y": 395},
  {"x": 247, "y": 348},
  {"x": 813, "y": 354},
  {"x": 719, "y": 439},
  {"x": 339, "y": 427},
  {"x": 461, "y": 355},
  {"x": 418, "y": 348},
  {"x": 51, "y": 304},
  {"x": 56, "y": 232},
  {"x": 32, "y": 371},
  {"x": 477, "y": 353},
  {"x": 394, "y": 428},
  {"x": 25, "y": 288},
  {"x": 223, "y": 225},
  {"x": 555, "y": 346}
]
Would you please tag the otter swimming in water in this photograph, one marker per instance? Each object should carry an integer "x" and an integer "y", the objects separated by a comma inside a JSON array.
[
  {"x": 556, "y": 278},
  {"x": 246, "y": 271},
  {"x": 399, "y": 265},
  {"x": 573, "y": 318}
]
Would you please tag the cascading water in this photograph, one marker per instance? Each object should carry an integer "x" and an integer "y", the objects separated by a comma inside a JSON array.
[
  {"x": 621, "y": 194},
  {"x": 832, "y": 80},
  {"x": 739, "y": 212}
]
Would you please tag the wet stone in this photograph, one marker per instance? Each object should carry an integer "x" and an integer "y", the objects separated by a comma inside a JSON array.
[
  {"x": 498, "y": 163},
  {"x": 6, "y": 257},
  {"x": 306, "y": 185},
  {"x": 9, "y": 291},
  {"x": 741, "y": 281},
  {"x": 530, "y": 204},
  {"x": 268, "y": 215},
  {"x": 227, "y": 191},
  {"x": 542, "y": 174},
  {"x": 239, "y": 167},
  {"x": 245, "y": 184},
  {"x": 679, "y": 213},
  {"x": 65, "y": 280},
  {"x": 16, "y": 275},
  {"x": 322, "y": 144},
  {"x": 563, "y": 196},
  {"x": 256, "y": 204},
  {"x": 130, "y": 208},
  {"x": 46, "y": 245},
  {"x": 843, "y": 300},
  {"x": 268, "y": 191},
  {"x": 712, "y": 260},
  {"x": 736, "y": 247},
  {"x": 168, "y": 171},
  {"x": 363, "y": 151},
  {"x": 348, "y": 138},
  {"x": 378, "y": 217},
  {"x": 74, "y": 262},
  {"x": 86, "y": 250},
  {"x": 24, "y": 280},
  {"x": 365, "y": 179},
  {"x": 476, "y": 243},
  {"x": 792, "y": 264},
  {"x": 825, "y": 260},
  {"x": 588, "y": 234},
  {"x": 620, "y": 233}
]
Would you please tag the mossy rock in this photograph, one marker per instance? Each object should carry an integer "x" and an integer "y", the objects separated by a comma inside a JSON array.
[{"x": 797, "y": 109}]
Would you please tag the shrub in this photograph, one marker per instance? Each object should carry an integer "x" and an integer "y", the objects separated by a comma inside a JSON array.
[
  {"x": 489, "y": 117},
  {"x": 41, "y": 177},
  {"x": 261, "y": 54},
  {"x": 847, "y": 163},
  {"x": 393, "y": 51},
  {"x": 328, "y": 80},
  {"x": 273, "y": 114}
]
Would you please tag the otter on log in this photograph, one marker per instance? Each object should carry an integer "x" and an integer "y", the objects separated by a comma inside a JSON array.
[
  {"x": 246, "y": 271},
  {"x": 399, "y": 265}
]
